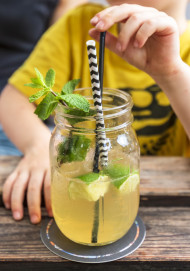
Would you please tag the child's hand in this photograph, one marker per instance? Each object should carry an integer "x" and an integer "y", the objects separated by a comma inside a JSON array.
[
  {"x": 31, "y": 137},
  {"x": 30, "y": 177},
  {"x": 148, "y": 39}
]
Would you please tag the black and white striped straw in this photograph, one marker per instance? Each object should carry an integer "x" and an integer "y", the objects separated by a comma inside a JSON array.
[{"x": 96, "y": 91}]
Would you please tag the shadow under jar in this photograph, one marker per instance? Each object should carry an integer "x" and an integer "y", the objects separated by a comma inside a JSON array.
[{"x": 93, "y": 208}]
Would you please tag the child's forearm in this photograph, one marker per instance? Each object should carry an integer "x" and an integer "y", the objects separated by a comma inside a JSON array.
[
  {"x": 19, "y": 121},
  {"x": 177, "y": 88}
]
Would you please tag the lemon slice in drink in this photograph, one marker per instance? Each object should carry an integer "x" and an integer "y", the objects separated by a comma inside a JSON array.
[
  {"x": 90, "y": 191},
  {"x": 130, "y": 184}
]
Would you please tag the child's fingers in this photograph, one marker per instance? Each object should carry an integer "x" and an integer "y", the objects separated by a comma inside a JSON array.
[
  {"x": 100, "y": 15},
  {"x": 34, "y": 195},
  {"x": 110, "y": 41},
  {"x": 138, "y": 28},
  {"x": 47, "y": 193},
  {"x": 108, "y": 17},
  {"x": 159, "y": 25},
  {"x": 7, "y": 189},
  {"x": 95, "y": 34},
  {"x": 17, "y": 194},
  {"x": 131, "y": 26}
]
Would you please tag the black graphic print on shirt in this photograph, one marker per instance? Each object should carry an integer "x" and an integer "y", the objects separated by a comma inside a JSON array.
[{"x": 154, "y": 119}]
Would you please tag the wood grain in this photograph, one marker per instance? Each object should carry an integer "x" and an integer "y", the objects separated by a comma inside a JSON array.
[
  {"x": 165, "y": 181},
  {"x": 165, "y": 176},
  {"x": 165, "y": 210},
  {"x": 167, "y": 240}
]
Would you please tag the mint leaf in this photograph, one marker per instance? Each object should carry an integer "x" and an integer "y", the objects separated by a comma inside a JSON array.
[
  {"x": 40, "y": 77},
  {"x": 50, "y": 78},
  {"x": 73, "y": 148},
  {"x": 118, "y": 173},
  {"x": 76, "y": 101},
  {"x": 33, "y": 85},
  {"x": 36, "y": 81},
  {"x": 37, "y": 95},
  {"x": 89, "y": 177},
  {"x": 78, "y": 113},
  {"x": 46, "y": 107},
  {"x": 70, "y": 86},
  {"x": 71, "y": 100}
]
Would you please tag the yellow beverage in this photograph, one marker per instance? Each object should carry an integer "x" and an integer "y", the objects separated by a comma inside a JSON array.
[
  {"x": 95, "y": 208},
  {"x": 76, "y": 205}
]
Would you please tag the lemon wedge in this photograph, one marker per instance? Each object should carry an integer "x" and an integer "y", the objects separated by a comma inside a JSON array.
[
  {"x": 130, "y": 184},
  {"x": 91, "y": 192}
]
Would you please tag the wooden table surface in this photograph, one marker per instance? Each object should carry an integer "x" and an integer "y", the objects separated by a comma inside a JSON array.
[{"x": 164, "y": 208}]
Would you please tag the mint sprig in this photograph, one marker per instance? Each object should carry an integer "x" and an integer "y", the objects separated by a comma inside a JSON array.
[
  {"x": 70, "y": 86},
  {"x": 50, "y": 78},
  {"x": 78, "y": 113},
  {"x": 51, "y": 99},
  {"x": 73, "y": 148},
  {"x": 76, "y": 101},
  {"x": 47, "y": 106}
]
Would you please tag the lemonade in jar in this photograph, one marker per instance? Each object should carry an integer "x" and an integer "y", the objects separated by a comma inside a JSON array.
[{"x": 95, "y": 207}]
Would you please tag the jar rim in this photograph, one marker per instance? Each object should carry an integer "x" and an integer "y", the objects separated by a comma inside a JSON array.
[
  {"x": 122, "y": 94},
  {"x": 125, "y": 107}
]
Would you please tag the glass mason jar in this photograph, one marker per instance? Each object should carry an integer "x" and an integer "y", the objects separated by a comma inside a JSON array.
[{"x": 94, "y": 204}]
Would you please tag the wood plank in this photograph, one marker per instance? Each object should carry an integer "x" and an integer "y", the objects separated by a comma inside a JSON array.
[
  {"x": 165, "y": 176},
  {"x": 112, "y": 266},
  {"x": 165, "y": 181},
  {"x": 163, "y": 201},
  {"x": 168, "y": 238}
]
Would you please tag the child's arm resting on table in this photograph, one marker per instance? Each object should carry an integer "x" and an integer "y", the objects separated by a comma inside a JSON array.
[
  {"x": 149, "y": 40},
  {"x": 31, "y": 137}
]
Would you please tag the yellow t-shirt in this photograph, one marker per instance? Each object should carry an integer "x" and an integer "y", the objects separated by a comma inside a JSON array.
[{"x": 63, "y": 48}]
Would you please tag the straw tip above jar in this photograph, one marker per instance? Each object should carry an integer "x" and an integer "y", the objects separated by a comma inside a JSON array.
[{"x": 90, "y": 43}]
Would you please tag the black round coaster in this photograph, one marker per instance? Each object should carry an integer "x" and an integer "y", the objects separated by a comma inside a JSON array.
[{"x": 55, "y": 241}]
